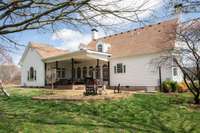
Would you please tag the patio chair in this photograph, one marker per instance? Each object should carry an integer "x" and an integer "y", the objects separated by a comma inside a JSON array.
[
  {"x": 90, "y": 87},
  {"x": 117, "y": 88}
]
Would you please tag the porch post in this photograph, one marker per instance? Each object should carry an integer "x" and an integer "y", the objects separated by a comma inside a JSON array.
[
  {"x": 45, "y": 74},
  {"x": 97, "y": 70},
  {"x": 108, "y": 73},
  {"x": 56, "y": 68},
  {"x": 72, "y": 71},
  {"x": 160, "y": 78}
]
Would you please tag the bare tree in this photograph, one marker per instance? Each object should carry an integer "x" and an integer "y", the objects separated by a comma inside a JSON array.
[
  {"x": 22, "y": 15},
  {"x": 185, "y": 55},
  {"x": 188, "y": 6},
  {"x": 188, "y": 53}
]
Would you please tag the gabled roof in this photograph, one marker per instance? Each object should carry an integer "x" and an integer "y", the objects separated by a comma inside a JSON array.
[
  {"x": 149, "y": 39},
  {"x": 44, "y": 50}
]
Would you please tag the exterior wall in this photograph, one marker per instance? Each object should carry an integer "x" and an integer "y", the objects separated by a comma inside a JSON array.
[
  {"x": 178, "y": 77},
  {"x": 32, "y": 59},
  {"x": 139, "y": 71}
]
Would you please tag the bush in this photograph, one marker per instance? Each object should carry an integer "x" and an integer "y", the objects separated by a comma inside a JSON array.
[
  {"x": 166, "y": 86},
  {"x": 182, "y": 87},
  {"x": 169, "y": 86}
]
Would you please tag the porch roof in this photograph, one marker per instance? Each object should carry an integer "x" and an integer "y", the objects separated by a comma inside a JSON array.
[{"x": 79, "y": 55}]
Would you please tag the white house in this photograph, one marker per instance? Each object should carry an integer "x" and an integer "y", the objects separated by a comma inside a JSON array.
[{"x": 124, "y": 58}]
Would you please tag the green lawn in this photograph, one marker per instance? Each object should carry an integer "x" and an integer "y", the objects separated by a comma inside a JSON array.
[{"x": 138, "y": 113}]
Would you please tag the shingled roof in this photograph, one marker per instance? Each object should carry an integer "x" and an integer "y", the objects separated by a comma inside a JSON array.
[
  {"x": 149, "y": 39},
  {"x": 46, "y": 51}
]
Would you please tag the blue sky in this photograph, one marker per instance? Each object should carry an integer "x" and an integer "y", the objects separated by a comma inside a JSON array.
[{"x": 69, "y": 38}]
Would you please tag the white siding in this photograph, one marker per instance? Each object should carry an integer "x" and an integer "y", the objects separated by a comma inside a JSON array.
[
  {"x": 32, "y": 59},
  {"x": 139, "y": 71},
  {"x": 179, "y": 76}
]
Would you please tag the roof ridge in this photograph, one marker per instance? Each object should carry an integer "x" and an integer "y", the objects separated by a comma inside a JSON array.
[{"x": 150, "y": 25}]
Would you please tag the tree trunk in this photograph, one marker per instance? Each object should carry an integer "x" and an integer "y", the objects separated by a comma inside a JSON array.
[{"x": 197, "y": 99}]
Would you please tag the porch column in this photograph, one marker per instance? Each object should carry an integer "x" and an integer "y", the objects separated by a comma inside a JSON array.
[
  {"x": 45, "y": 74},
  {"x": 160, "y": 79},
  {"x": 108, "y": 73},
  {"x": 97, "y": 74},
  {"x": 56, "y": 69},
  {"x": 72, "y": 60}
]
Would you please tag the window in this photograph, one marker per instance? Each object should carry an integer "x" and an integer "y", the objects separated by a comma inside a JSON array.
[
  {"x": 100, "y": 48},
  {"x": 105, "y": 72},
  {"x": 98, "y": 72},
  {"x": 84, "y": 72},
  {"x": 78, "y": 72},
  {"x": 120, "y": 68},
  {"x": 175, "y": 71},
  {"x": 91, "y": 71},
  {"x": 63, "y": 72},
  {"x": 74, "y": 73},
  {"x": 115, "y": 69},
  {"x": 31, "y": 74},
  {"x": 60, "y": 72}
]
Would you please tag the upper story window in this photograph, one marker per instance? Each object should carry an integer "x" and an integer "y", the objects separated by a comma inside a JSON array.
[
  {"x": 100, "y": 48},
  {"x": 120, "y": 68}
]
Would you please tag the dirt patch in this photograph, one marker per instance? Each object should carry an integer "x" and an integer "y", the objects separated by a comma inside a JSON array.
[{"x": 77, "y": 95}]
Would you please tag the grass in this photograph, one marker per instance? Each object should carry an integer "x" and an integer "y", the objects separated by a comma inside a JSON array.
[{"x": 138, "y": 113}]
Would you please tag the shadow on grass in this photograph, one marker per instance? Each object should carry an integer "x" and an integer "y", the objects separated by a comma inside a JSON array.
[{"x": 142, "y": 113}]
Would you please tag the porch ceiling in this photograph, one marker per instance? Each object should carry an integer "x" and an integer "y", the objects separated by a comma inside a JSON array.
[{"x": 81, "y": 55}]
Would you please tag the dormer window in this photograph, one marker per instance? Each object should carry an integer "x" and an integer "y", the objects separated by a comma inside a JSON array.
[{"x": 100, "y": 48}]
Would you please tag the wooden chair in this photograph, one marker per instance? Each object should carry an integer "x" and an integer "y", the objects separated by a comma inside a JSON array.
[{"x": 117, "y": 88}]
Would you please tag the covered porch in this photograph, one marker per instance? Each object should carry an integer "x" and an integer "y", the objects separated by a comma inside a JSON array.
[{"x": 71, "y": 69}]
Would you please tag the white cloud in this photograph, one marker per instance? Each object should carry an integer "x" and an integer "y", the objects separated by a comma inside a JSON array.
[{"x": 71, "y": 39}]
